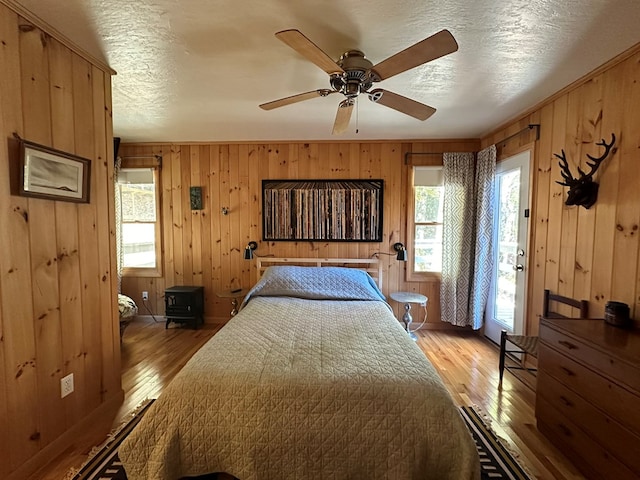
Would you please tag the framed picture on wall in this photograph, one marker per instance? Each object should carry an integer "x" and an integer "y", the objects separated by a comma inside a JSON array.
[
  {"x": 327, "y": 210},
  {"x": 53, "y": 174}
]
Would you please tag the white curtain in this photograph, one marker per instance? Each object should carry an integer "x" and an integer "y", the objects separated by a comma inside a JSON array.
[
  {"x": 483, "y": 257},
  {"x": 467, "y": 236},
  {"x": 457, "y": 237},
  {"x": 118, "y": 208}
]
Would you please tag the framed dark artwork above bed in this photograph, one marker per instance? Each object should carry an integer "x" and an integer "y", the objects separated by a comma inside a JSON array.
[{"x": 327, "y": 210}]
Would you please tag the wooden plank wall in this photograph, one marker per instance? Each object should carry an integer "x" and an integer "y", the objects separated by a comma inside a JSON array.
[
  {"x": 205, "y": 247},
  {"x": 589, "y": 254},
  {"x": 58, "y": 311}
]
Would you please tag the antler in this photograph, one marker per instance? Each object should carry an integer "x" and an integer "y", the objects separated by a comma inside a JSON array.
[
  {"x": 569, "y": 180},
  {"x": 595, "y": 162}
]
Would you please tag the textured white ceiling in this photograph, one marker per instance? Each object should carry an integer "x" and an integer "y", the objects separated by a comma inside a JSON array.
[{"x": 196, "y": 70}]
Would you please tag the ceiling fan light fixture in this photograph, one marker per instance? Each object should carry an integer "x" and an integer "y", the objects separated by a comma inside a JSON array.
[
  {"x": 352, "y": 89},
  {"x": 354, "y": 74}
]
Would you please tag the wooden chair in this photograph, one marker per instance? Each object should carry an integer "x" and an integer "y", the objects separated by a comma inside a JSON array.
[{"x": 527, "y": 344}]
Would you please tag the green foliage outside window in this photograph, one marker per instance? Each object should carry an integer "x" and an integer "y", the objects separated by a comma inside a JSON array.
[
  {"x": 428, "y": 228},
  {"x": 137, "y": 191}
]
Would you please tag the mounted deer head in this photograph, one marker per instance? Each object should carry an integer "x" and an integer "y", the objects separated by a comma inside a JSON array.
[{"x": 583, "y": 191}]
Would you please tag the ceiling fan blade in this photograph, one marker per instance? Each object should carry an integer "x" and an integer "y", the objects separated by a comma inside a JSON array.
[
  {"x": 305, "y": 47},
  {"x": 401, "y": 104},
  {"x": 323, "y": 92},
  {"x": 343, "y": 116},
  {"x": 435, "y": 46}
]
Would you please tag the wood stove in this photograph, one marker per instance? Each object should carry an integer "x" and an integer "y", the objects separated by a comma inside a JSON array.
[{"x": 184, "y": 304}]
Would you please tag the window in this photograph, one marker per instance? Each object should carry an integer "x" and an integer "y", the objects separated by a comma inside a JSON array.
[
  {"x": 425, "y": 222},
  {"x": 140, "y": 234}
]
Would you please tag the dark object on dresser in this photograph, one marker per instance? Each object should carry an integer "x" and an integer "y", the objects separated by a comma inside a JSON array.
[
  {"x": 184, "y": 304},
  {"x": 588, "y": 395},
  {"x": 528, "y": 344},
  {"x": 617, "y": 314}
]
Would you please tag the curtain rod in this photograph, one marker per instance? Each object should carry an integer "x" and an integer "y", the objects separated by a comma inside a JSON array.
[
  {"x": 408, "y": 154},
  {"x": 525, "y": 129},
  {"x": 134, "y": 157},
  {"x": 157, "y": 157},
  {"x": 504, "y": 140}
]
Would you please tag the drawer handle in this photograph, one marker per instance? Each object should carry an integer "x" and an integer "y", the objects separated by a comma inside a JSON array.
[
  {"x": 566, "y": 401},
  {"x": 565, "y": 430},
  {"x": 569, "y": 345},
  {"x": 567, "y": 371}
]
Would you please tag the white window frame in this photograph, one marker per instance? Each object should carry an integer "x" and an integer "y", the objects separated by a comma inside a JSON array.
[
  {"x": 155, "y": 271},
  {"x": 411, "y": 273}
]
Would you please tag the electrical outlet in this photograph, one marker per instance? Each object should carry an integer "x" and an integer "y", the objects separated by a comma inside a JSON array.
[
  {"x": 145, "y": 295},
  {"x": 66, "y": 385}
]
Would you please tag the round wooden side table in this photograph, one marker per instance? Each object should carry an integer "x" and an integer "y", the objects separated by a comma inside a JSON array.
[
  {"x": 234, "y": 295},
  {"x": 408, "y": 298}
]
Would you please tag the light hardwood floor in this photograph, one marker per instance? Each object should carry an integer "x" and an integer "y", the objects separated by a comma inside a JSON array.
[{"x": 468, "y": 365}]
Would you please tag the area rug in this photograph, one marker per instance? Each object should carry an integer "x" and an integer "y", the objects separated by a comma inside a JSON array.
[
  {"x": 496, "y": 461},
  {"x": 103, "y": 463}
]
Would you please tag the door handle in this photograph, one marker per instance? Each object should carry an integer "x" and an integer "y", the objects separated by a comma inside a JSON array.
[{"x": 518, "y": 267}]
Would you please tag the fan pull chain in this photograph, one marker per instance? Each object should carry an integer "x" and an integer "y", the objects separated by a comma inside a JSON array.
[{"x": 357, "y": 113}]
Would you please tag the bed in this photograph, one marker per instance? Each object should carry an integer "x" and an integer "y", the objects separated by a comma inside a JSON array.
[{"x": 313, "y": 379}]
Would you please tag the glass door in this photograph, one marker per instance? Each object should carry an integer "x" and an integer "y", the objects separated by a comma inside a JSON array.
[{"x": 505, "y": 308}]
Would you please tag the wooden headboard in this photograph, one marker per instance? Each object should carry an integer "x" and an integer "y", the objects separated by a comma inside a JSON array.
[{"x": 370, "y": 265}]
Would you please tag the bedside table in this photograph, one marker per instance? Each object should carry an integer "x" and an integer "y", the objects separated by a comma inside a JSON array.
[
  {"x": 408, "y": 298},
  {"x": 234, "y": 296}
]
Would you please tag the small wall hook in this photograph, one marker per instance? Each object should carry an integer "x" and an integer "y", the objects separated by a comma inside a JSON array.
[{"x": 225, "y": 211}]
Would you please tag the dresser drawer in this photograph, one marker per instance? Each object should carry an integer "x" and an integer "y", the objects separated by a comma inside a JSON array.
[
  {"x": 591, "y": 458},
  {"x": 614, "y": 437},
  {"x": 618, "y": 402},
  {"x": 610, "y": 366}
]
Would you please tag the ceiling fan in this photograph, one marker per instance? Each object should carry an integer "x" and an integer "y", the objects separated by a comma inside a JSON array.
[{"x": 354, "y": 74}]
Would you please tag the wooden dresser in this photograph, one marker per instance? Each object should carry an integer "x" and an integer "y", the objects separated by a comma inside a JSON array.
[{"x": 588, "y": 395}]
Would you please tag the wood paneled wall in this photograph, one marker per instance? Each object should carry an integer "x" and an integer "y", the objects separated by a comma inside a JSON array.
[
  {"x": 205, "y": 247},
  {"x": 592, "y": 254},
  {"x": 589, "y": 254},
  {"x": 58, "y": 310}
]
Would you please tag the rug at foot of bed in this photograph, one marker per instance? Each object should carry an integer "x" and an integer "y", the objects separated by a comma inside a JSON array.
[{"x": 496, "y": 461}]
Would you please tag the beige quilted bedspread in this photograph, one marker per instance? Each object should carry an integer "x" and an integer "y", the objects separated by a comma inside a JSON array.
[{"x": 305, "y": 389}]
